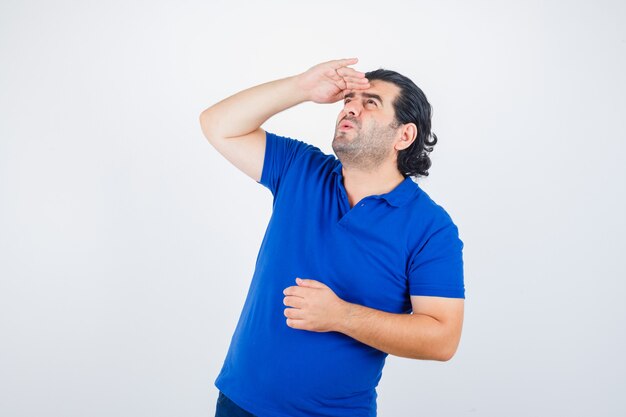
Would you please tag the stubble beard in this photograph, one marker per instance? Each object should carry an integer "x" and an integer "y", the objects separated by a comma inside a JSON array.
[{"x": 367, "y": 150}]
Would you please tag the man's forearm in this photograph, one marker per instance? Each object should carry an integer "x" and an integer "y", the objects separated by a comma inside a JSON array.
[
  {"x": 247, "y": 110},
  {"x": 416, "y": 336},
  {"x": 313, "y": 306}
]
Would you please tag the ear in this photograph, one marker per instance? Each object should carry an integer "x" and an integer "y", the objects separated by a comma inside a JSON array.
[{"x": 409, "y": 133}]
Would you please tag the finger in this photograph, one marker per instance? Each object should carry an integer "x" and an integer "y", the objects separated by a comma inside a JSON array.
[
  {"x": 354, "y": 77},
  {"x": 338, "y": 63},
  {"x": 356, "y": 80},
  {"x": 311, "y": 283},
  {"x": 341, "y": 83},
  {"x": 293, "y": 291},
  {"x": 350, "y": 72},
  {"x": 352, "y": 84},
  {"x": 296, "y": 324},
  {"x": 293, "y": 313},
  {"x": 357, "y": 86},
  {"x": 332, "y": 74},
  {"x": 296, "y": 302}
]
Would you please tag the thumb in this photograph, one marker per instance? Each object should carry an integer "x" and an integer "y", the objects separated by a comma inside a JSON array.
[{"x": 311, "y": 283}]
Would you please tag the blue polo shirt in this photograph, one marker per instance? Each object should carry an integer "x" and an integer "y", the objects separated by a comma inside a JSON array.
[{"x": 377, "y": 253}]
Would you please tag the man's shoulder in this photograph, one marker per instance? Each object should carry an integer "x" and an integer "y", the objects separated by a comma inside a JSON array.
[
  {"x": 428, "y": 209},
  {"x": 300, "y": 150},
  {"x": 301, "y": 145}
]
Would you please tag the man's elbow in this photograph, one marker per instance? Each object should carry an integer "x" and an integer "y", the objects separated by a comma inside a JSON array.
[
  {"x": 208, "y": 125},
  {"x": 448, "y": 351},
  {"x": 446, "y": 356},
  {"x": 205, "y": 119},
  {"x": 446, "y": 346},
  {"x": 441, "y": 353}
]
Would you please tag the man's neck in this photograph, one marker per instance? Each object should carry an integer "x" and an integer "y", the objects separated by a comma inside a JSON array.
[{"x": 360, "y": 184}]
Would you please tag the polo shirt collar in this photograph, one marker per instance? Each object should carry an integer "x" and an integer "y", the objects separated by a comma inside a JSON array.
[{"x": 396, "y": 197}]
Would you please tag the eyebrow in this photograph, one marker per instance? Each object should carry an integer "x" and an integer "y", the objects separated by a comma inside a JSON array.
[{"x": 368, "y": 95}]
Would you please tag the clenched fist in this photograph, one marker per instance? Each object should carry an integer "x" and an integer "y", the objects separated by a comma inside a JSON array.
[{"x": 314, "y": 306}]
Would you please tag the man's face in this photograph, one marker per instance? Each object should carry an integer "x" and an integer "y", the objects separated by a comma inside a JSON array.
[{"x": 364, "y": 136}]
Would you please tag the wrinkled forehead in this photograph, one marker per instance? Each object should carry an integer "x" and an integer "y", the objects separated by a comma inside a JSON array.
[{"x": 385, "y": 92}]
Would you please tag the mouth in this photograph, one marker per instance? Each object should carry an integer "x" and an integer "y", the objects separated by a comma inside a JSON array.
[{"x": 346, "y": 125}]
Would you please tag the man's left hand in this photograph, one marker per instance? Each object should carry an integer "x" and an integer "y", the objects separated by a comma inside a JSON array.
[{"x": 314, "y": 306}]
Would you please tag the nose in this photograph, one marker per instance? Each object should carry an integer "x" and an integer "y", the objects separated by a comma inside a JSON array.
[{"x": 352, "y": 108}]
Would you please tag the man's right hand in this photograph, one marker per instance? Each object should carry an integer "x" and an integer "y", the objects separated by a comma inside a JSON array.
[
  {"x": 326, "y": 82},
  {"x": 233, "y": 126}
]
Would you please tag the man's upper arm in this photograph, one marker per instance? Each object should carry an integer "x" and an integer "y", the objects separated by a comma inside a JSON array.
[
  {"x": 246, "y": 152},
  {"x": 448, "y": 311}
]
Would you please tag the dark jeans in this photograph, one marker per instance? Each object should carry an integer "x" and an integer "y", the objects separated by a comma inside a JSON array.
[{"x": 226, "y": 408}]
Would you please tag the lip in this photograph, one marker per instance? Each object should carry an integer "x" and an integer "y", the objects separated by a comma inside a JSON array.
[{"x": 346, "y": 125}]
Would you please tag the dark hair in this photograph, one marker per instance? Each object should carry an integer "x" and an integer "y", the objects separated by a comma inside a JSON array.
[{"x": 411, "y": 106}]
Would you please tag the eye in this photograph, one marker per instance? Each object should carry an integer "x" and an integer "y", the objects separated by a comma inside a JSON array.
[{"x": 372, "y": 101}]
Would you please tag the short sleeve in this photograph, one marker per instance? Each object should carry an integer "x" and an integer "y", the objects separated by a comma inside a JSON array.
[
  {"x": 437, "y": 268},
  {"x": 280, "y": 153}
]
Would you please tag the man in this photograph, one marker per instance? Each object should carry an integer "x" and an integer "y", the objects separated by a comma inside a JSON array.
[{"x": 357, "y": 261}]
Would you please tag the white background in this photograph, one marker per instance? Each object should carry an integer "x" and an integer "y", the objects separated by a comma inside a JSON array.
[{"x": 127, "y": 242}]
